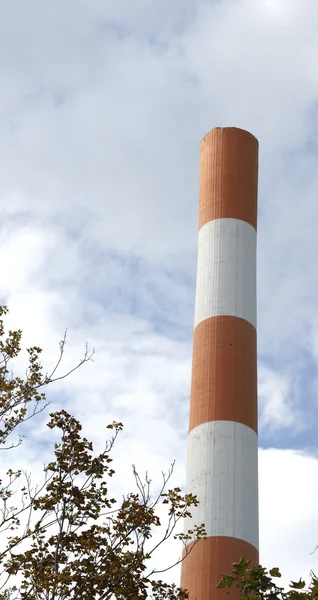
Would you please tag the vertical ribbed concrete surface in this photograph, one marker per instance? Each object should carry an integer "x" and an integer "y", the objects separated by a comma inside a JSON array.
[{"x": 222, "y": 461}]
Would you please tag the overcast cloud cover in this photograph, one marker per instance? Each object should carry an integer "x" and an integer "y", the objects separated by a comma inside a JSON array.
[{"x": 102, "y": 108}]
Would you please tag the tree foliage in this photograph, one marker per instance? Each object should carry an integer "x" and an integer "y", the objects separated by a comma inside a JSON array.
[
  {"x": 259, "y": 583},
  {"x": 69, "y": 537},
  {"x": 21, "y": 399}
]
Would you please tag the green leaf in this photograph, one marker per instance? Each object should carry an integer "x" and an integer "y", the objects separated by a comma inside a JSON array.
[
  {"x": 297, "y": 585},
  {"x": 275, "y": 572}
]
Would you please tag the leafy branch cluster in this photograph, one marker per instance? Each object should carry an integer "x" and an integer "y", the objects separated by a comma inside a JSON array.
[
  {"x": 21, "y": 399},
  {"x": 77, "y": 540},
  {"x": 258, "y": 583}
]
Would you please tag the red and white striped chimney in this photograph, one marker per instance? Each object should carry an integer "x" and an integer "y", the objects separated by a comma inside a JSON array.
[{"x": 222, "y": 461}]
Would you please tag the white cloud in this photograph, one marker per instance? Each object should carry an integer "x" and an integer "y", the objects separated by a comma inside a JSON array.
[
  {"x": 288, "y": 511},
  {"x": 276, "y": 401}
]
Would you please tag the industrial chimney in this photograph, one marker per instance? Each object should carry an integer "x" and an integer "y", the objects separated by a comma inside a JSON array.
[{"x": 222, "y": 460}]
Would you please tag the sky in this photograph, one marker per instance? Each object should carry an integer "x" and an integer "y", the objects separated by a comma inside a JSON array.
[{"x": 102, "y": 109}]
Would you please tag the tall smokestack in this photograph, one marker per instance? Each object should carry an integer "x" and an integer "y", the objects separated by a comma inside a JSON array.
[{"x": 222, "y": 461}]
